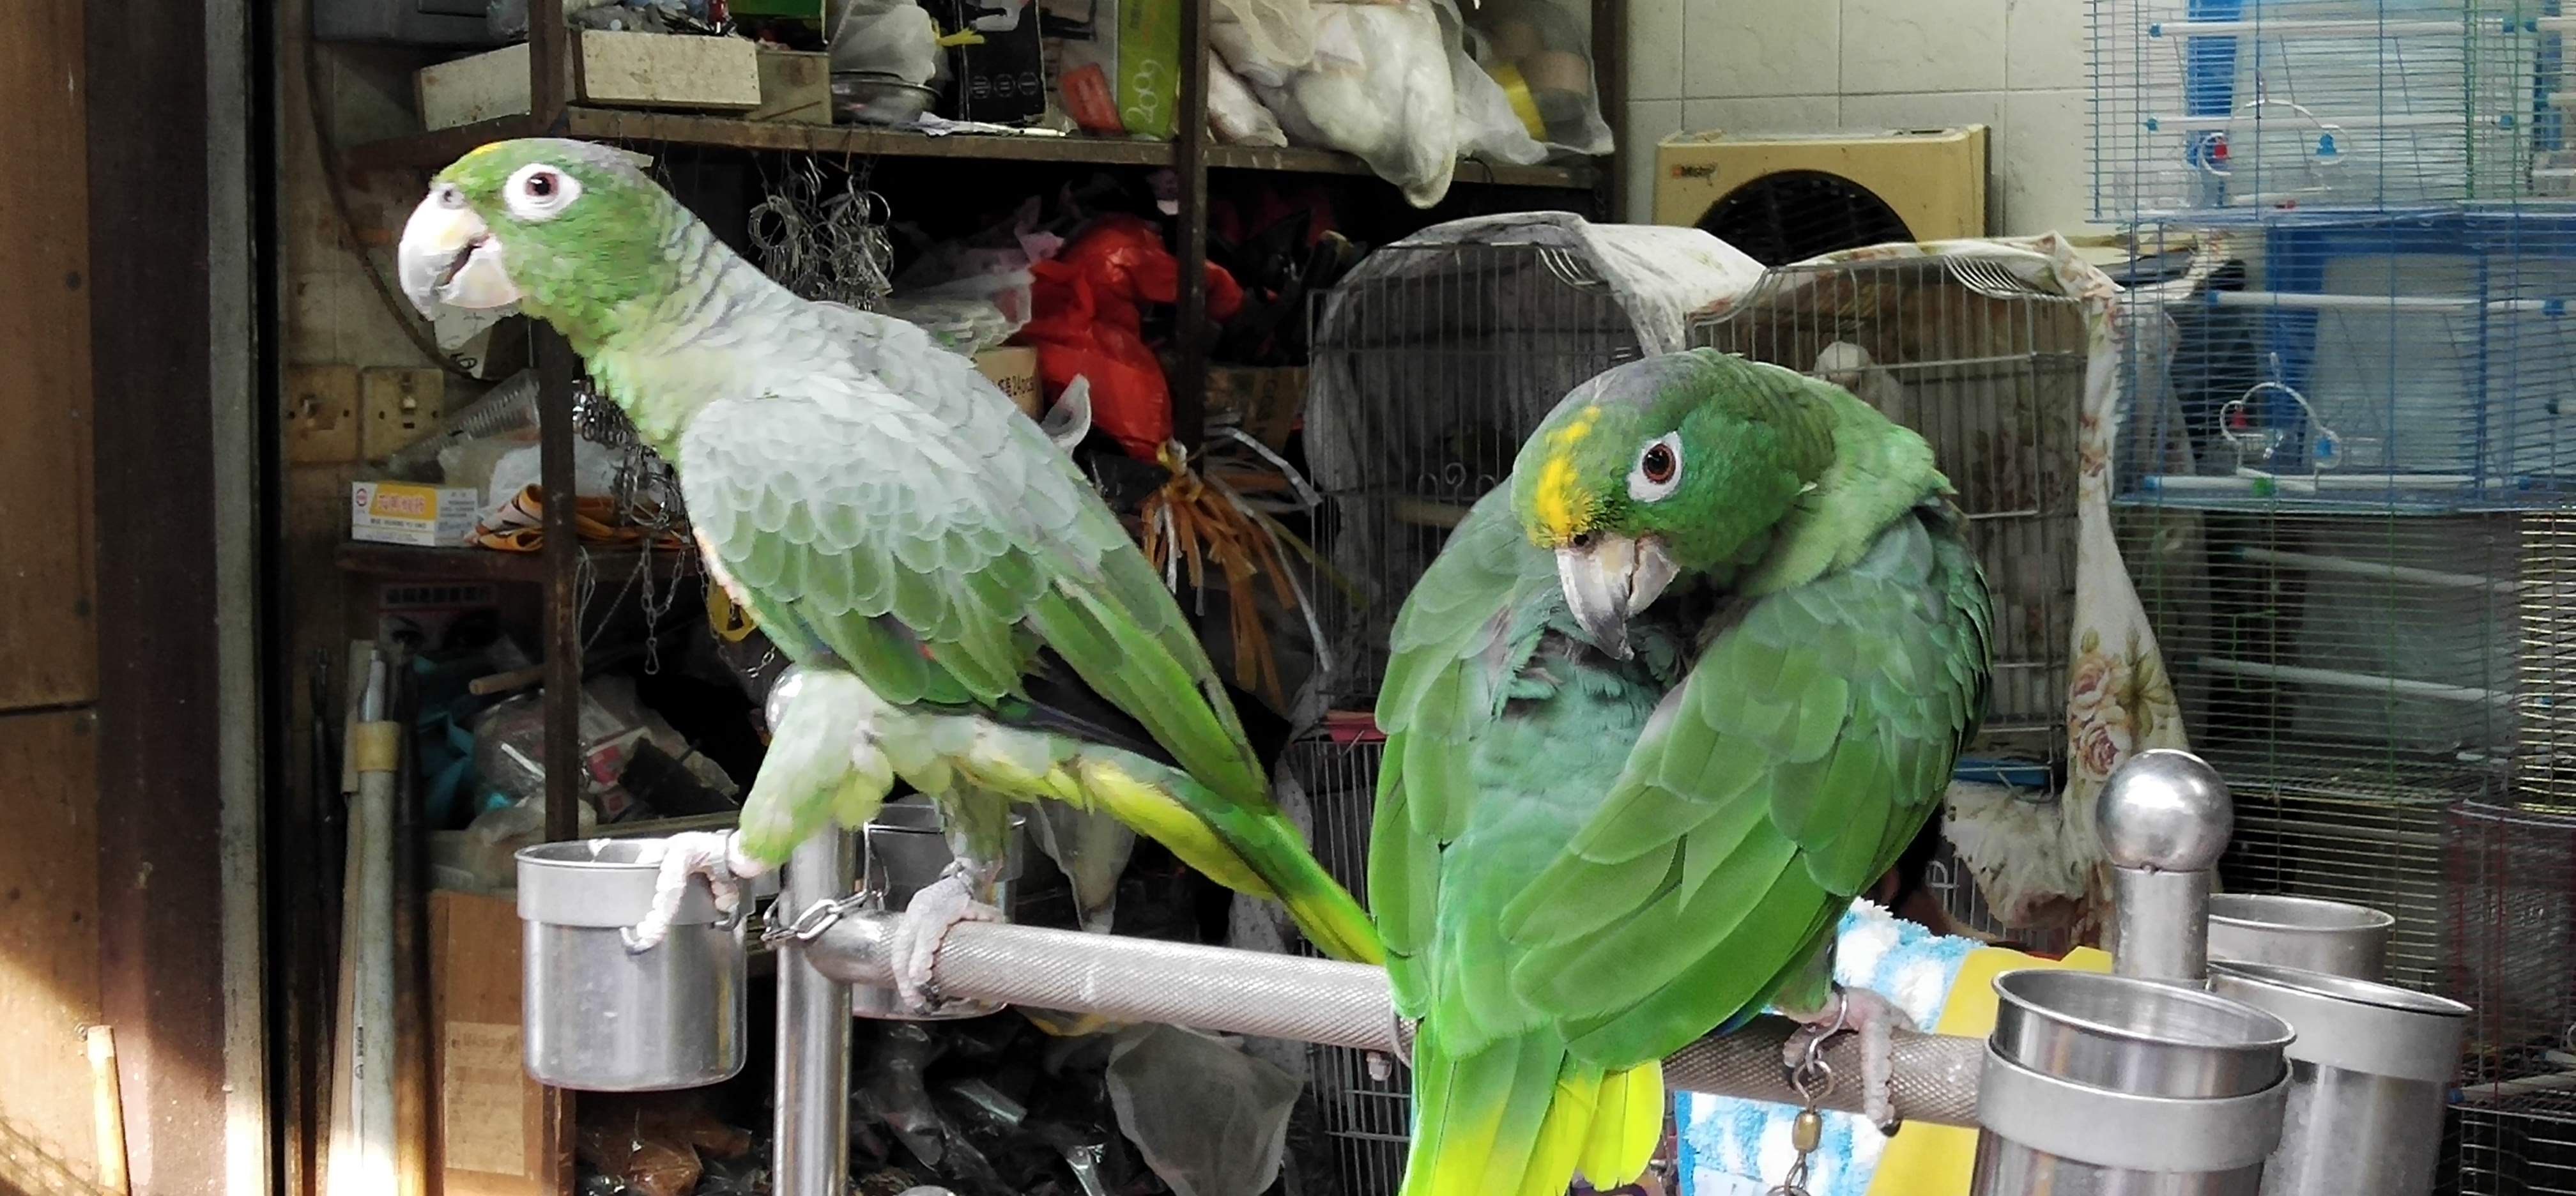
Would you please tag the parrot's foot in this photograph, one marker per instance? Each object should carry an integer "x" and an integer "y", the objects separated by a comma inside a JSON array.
[
  {"x": 715, "y": 855},
  {"x": 1875, "y": 1019},
  {"x": 924, "y": 926}
]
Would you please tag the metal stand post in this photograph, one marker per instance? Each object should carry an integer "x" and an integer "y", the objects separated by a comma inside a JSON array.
[
  {"x": 812, "y": 1154},
  {"x": 2165, "y": 818}
]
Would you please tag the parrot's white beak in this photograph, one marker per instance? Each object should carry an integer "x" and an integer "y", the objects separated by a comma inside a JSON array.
[
  {"x": 449, "y": 256},
  {"x": 1610, "y": 578}
]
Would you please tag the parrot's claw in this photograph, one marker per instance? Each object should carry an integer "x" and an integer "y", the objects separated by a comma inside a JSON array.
[
  {"x": 1875, "y": 1019},
  {"x": 715, "y": 855},
  {"x": 924, "y": 926}
]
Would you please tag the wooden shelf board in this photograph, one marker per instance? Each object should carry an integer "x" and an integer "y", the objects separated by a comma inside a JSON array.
[
  {"x": 484, "y": 564},
  {"x": 437, "y": 149},
  {"x": 1302, "y": 160}
]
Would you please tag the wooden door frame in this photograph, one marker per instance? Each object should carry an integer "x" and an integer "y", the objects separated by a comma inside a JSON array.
[{"x": 178, "y": 157}]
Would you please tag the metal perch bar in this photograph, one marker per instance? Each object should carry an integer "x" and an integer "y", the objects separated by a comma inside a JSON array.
[{"x": 1340, "y": 1004}]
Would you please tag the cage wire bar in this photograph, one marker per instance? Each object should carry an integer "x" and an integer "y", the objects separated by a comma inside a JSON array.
[
  {"x": 2205, "y": 106},
  {"x": 1364, "y": 1105},
  {"x": 2512, "y": 915},
  {"x": 1430, "y": 366}
]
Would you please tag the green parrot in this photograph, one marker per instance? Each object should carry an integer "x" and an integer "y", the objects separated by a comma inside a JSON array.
[
  {"x": 1666, "y": 701},
  {"x": 964, "y": 611}
]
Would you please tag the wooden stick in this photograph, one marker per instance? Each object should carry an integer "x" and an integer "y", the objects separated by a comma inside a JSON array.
[{"x": 107, "y": 1104}]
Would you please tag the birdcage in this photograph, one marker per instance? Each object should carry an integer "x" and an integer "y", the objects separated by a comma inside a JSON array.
[
  {"x": 1365, "y": 1104},
  {"x": 2512, "y": 920},
  {"x": 1988, "y": 365},
  {"x": 2204, "y": 105},
  {"x": 1438, "y": 355},
  {"x": 2361, "y": 363},
  {"x": 2341, "y": 451}
]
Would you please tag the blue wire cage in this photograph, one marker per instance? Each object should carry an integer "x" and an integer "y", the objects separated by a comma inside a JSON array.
[
  {"x": 2423, "y": 361},
  {"x": 2205, "y": 105}
]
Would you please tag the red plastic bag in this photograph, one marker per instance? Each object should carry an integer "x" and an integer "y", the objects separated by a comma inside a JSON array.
[{"x": 1088, "y": 325}]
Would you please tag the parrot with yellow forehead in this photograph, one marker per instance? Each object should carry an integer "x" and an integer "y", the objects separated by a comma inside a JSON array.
[
  {"x": 931, "y": 561},
  {"x": 1667, "y": 700}
]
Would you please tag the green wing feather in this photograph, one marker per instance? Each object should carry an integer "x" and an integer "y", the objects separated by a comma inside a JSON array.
[
  {"x": 1786, "y": 774},
  {"x": 903, "y": 517}
]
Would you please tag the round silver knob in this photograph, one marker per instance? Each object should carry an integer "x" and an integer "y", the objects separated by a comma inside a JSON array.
[{"x": 2165, "y": 810}]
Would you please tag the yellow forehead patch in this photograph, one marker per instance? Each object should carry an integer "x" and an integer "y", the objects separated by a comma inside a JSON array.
[
  {"x": 1562, "y": 506},
  {"x": 480, "y": 150}
]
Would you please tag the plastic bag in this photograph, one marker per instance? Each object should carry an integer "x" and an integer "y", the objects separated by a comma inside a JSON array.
[
  {"x": 1490, "y": 127},
  {"x": 967, "y": 326},
  {"x": 1209, "y": 1119},
  {"x": 652, "y": 1143},
  {"x": 1119, "y": 65},
  {"x": 1276, "y": 31},
  {"x": 1238, "y": 116},
  {"x": 992, "y": 265},
  {"x": 891, "y": 38},
  {"x": 1539, "y": 52},
  {"x": 1088, "y": 325},
  {"x": 594, "y": 472},
  {"x": 1379, "y": 87}
]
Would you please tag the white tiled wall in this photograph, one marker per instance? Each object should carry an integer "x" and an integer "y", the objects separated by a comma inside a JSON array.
[{"x": 1810, "y": 65}]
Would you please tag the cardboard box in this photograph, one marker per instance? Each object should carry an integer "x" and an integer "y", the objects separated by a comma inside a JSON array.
[
  {"x": 412, "y": 513},
  {"x": 795, "y": 87},
  {"x": 1000, "y": 76},
  {"x": 1015, "y": 370},
  {"x": 490, "y": 1121},
  {"x": 612, "y": 69},
  {"x": 1267, "y": 402}
]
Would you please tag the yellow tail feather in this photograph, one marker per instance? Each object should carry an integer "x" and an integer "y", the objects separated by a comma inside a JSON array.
[
  {"x": 1627, "y": 1126},
  {"x": 1605, "y": 1127}
]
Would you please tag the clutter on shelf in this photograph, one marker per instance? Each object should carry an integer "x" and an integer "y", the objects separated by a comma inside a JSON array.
[{"x": 1409, "y": 88}]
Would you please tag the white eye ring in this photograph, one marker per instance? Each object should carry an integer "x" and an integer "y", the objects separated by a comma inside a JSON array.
[
  {"x": 1662, "y": 455},
  {"x": 537, "y": 191}
]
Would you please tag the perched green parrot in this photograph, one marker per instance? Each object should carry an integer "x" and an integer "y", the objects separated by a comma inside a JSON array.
[
  {"x": 922, "y": 550},
  {"x": 1667, "y": 700}
]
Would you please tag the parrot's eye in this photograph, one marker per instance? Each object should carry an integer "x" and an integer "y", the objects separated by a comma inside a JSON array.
[
  {"x": 1659, "y": 468},
  {"x": 540, "y": 192}
]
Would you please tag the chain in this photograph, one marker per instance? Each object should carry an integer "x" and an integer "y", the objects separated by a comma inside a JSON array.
[
  {"x": 810, "y": 924},
  {"x": 1813, "y": 1078}
]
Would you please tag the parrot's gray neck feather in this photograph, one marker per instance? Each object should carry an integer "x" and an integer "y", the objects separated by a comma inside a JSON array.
[{"x": 721, "y": 330}]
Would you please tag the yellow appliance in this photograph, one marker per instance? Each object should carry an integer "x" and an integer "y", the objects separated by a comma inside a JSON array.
[{"x": 1782, "y": 197}]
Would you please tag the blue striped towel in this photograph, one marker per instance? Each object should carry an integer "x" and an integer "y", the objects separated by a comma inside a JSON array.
[{"x": 1733, "y": 1147}]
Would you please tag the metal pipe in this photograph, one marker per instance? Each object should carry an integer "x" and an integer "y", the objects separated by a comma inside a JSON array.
[
  {"x": 812, "y": 1154},
  {"x": 2164, "y": 817},
  {"x": 1340, "y": 1004},
  {"x": 2146, "y": 902}
]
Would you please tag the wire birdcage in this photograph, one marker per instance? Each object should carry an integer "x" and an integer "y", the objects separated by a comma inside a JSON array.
[
  {"x": 2361, "y": 363},
  {"x": 2206, "y": 105},
  {"x": 1431, "y": 365},
  {"x": 2512, "y": 920},
  {"x": 1366, "y": 1106},
  {"x": 2341, "y": 446},
  {"x": 1990, "y": 369}
]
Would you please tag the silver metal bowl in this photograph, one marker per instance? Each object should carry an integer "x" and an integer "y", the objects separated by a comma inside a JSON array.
[
  {"x": 874, "y": 99},
  {"x": 2136, "y": 1036}
]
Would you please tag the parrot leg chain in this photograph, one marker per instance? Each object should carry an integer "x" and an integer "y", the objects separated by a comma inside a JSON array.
[
  {"x": 1813, "y": 1078},
  {"x": 1875, "y": 1019}
]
